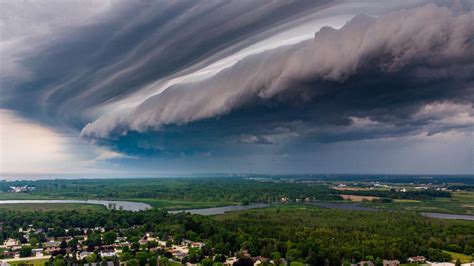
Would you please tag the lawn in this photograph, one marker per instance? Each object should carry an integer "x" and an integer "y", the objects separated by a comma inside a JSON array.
[
  {"x": 28, "y": 262},
  {"x": 462, "y": 257},
  {"x": 51, "y": 207}
]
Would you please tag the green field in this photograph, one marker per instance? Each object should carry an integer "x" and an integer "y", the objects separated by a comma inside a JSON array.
[
  {"x": 155, "y": 203},
  {"x": 21, "y": 196},
  {"x": 459, "y": 203},
  {"x": 462, "y": 257},
  {"x": 180, "y": 205},
  {"x": 51, "y": 207},
  {"x": 29, "y": 262}
]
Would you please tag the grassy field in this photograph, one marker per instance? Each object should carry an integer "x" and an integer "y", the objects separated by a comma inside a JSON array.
[
  {"x": 28, "y": 262},
  {"x": 358, "y": 198},
  {"x": 459, "y": 203},
  {"x": 156, "y": 203},
  {"x": 180, "y": 205},
  {"x": 406, "y": 200},
  {"x": 20, "y": 196},
  {"x": 51, "y": 207},
  {"x": 463, "y": 258}
]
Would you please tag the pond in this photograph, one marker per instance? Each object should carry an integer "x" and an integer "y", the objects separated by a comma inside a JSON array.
[{"x": 115, "y": 204}]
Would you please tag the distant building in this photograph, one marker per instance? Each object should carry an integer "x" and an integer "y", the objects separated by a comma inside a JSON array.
[
  {"x": 417, "y": 259},
  {"x": 84, "y": 254},
  {"x": 197, "y": 245},
  {"x": 21, "y": 189},
  {"x": 52, "y": 244},
  {"x": 11, "y": 242},
  {"x": 391, "y": 263},
  {"x": 38, "y": 252},
  {"x": 108, "y": 253}
]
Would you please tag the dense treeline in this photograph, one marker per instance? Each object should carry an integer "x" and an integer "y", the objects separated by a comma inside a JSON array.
[
  {"x": 411, "y": 194},
  {"x": 311, "y": 235},
  {"x": 462, "y": 187},
  {"x": 189, "y": 189}
]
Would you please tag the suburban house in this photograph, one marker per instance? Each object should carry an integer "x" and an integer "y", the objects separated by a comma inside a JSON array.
[
  {"x": 11, "y": 243},
  {"x": 417, "y": 259},
  {"x": 84, "y": 254},
  {"x": 52, "y": 244},
  {"x": 38, "y": 252},
  {"x": 108, "y": 253}
]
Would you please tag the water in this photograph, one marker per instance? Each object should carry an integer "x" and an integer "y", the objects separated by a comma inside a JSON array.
[
  {"x": 139, "y": 206},
  {"x": 448, "y": 216},
  {"x": 222, "y": 210},
  {"x": 354, "y": 207},
  {"x": 117, "y": 204}
]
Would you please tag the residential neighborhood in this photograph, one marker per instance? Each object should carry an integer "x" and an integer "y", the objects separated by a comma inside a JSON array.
[{"x": 97, "y": 246}]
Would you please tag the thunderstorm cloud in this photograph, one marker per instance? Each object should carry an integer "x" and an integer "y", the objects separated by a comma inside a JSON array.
[{"x": 194, "y": 81}]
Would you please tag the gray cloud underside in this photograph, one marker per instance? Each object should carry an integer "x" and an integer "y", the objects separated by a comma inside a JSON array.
[
  {"x": 409, "y": 72},
  {"x": 70, "y": 72}
]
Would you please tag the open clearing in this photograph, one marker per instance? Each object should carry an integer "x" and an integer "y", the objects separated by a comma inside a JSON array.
[
  {"x": 358, "y": 198},
  {"x": 33, "y": 261},
  {"x": 463, "y": 258},
  {"x": 406, "y": 200}
]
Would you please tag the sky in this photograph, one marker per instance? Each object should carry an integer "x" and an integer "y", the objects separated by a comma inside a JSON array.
[{"x": 160, "y": 88}]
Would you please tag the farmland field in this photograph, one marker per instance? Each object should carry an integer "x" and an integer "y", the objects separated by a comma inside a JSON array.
[{"x": 358, "y": 198}]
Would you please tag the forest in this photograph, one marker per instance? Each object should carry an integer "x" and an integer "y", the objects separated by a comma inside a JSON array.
[
  {"x": 295, "y": 232},
  {"x": 208, "y": 189},
  {"x": 218, "y": 189}
]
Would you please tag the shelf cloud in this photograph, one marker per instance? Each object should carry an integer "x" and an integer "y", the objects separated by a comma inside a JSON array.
[
  {"x": 383, "y": 69},
  {"x": 241, "y": 81}
]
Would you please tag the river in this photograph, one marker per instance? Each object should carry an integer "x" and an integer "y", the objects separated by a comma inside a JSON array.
[
  {"x": 222, "y": 210},
  {"x": 117, "y": 204},
  {"x": 139, "y": 206}
]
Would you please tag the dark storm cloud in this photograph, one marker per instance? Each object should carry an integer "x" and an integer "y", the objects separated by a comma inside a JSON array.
[
  {"x": 133, "y": 45},
  {"x": 409, "y": 72},
  {"x": 405, "y": 73}
]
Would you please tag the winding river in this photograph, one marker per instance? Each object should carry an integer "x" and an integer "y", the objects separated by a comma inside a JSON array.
[
  {"x": 115, "y": 204},
  {"x": 222, "y": 210},
  {"x": 139, "y": 206}
]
